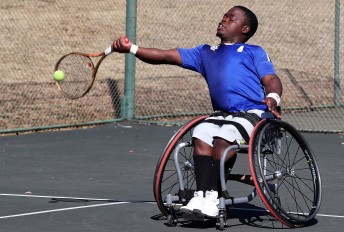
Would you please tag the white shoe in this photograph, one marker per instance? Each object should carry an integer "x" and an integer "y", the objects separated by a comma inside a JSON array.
[
  {"x": 210, "y": 204},
  {"x": 195, "y": 203}
]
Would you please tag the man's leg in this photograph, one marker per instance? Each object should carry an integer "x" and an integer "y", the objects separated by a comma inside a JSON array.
[
  {"x": 203, "y": 164},
  {"x": 210, "y": 205},
  {"x": 220, "y": 145}
]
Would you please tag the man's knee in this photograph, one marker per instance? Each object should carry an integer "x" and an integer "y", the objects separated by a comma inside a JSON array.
[
  {"x": 202, "y": 148},
  {"x": 220, "y": 145}
]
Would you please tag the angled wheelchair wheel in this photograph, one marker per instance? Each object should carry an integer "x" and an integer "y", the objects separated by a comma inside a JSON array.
[
  {"x": 165, "y": 177},
  {"x": 285, "y": 172}
]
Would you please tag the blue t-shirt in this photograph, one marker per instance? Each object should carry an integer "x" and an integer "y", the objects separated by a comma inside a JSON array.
[{"x": 232, "y": 72}]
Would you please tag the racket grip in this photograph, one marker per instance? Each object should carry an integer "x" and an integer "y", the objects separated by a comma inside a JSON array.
[{"x": 108, "y": 51}]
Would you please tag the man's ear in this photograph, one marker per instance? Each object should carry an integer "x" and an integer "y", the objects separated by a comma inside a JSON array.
[{"x": 245, "y": 29}]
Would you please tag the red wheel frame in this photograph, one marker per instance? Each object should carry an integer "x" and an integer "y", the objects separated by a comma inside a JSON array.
[
  {"x": 285, "y": 172},
  {"x": 165, "y": 177}
]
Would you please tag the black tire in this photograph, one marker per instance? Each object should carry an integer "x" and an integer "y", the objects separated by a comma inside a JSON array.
[
  {"x": 171, "y": 221},
  {"x": 221, "y": 224},
  {"x": 280, "y": 156}
]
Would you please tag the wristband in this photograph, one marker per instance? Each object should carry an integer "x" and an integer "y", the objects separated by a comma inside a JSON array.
[
  {"x": 276, "y": 97},
  {"x": 133, "y": 49}
]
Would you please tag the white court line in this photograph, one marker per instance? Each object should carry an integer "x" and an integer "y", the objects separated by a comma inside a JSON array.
[
  {"x": 265, "y": 210},
  {"x": 55, "y": 197},
  {"x": 63, "y": 209},
  {"x": 328, "y": 215},
  {"x": 107, "y": 204}
]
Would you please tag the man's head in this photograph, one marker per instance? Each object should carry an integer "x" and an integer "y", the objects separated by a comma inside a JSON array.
[{"x": 238, "y": 25}]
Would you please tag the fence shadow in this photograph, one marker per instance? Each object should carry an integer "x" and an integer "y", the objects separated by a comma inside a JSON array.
[{"x": 115, "y": 94}]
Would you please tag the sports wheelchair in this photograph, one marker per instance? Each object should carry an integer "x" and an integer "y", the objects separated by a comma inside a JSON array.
[{"x": 284, "y": 173}]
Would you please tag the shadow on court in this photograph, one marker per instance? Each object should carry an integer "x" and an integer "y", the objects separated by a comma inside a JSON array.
[{"x": 100, "y": 179}]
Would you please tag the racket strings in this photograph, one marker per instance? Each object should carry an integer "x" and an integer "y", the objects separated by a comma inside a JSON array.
[{"x": 78, "y": 70}]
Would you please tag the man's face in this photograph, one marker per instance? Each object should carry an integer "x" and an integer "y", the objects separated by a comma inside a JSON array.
[{"x": 232, "y": 26}]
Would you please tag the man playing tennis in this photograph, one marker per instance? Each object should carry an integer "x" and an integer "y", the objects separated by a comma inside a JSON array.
[{"x": 241, "y": 78}]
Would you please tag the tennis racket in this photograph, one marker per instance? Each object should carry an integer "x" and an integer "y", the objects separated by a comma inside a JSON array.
[{"x": 79, "y": 72}]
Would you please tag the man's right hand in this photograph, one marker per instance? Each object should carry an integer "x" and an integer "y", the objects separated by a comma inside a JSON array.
[{"x": 122, "y": 45}]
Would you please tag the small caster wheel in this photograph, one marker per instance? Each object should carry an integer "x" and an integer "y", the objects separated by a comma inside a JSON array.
[
  {"x": 221, "y": 224},
  {"x": 171, "y": 221}
]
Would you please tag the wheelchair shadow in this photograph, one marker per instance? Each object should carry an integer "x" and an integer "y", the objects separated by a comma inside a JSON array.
[
  {"x": 254, "y": 216},
  {"x": 258, "y": 217},
  {"x": 244, "y": 214},
  {"x": 187, "y": 224}
]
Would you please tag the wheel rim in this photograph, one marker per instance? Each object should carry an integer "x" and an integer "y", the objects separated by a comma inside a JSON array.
[
  {"x": 296, "y": 179},
  {"x": 165, "y": 178}
]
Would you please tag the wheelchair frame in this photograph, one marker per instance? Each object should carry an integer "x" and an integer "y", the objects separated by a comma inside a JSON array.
[{"x": 282, "y": 165}]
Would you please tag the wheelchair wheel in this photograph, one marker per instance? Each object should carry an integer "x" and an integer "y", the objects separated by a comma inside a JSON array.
[
  {"x": 165, "y": 177},
  {"x": 285, "y": 172}
]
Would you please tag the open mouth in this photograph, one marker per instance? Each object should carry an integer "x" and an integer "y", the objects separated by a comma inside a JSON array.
[{"x": 221, "y": 26}]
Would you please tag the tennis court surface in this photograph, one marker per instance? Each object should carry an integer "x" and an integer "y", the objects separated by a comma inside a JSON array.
[{"x": 100, "y": 179}]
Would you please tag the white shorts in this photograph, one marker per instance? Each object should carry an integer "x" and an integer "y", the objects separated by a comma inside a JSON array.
[{"x": 207, "y": 131}]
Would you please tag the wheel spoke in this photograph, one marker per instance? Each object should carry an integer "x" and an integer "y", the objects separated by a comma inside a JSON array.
[
  {"x": 294, "y": 194},
  {"x": 166, "y": 177}
]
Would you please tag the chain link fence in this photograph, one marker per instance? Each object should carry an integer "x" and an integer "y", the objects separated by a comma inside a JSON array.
[{"x": 301, "y": 37}]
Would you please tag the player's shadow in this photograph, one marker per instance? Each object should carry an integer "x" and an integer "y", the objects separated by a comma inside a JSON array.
[
  {"x": 243, "y": 214},
  {"x": 253, "y": 216},
  {"x": 115, "y": 94},
  {"x": 260, "y": 218}
]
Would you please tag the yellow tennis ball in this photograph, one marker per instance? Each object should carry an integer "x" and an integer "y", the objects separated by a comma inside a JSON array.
[{"x": 59, "y": 75}]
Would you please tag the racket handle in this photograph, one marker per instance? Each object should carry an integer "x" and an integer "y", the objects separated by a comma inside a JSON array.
[{"x": 108, "y": 51}]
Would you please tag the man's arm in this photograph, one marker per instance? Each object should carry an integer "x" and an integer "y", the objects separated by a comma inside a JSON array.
[
  {"x": 273, "y": 89},
  {"x": 149, "y": 55}
]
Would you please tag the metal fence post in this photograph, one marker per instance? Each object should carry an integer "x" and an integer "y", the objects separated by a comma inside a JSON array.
[
  {"x": 128, "y": 101},
  {"x": 337, "y": 100}
]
